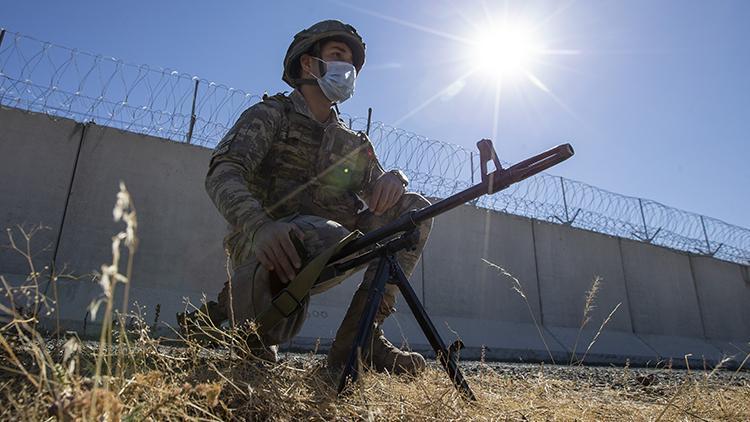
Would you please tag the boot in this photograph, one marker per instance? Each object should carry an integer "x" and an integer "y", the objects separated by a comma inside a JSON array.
[
  {"x": 268, "y": 354},
  {"x": 385, "y": 357},
  {"x": 378, "y": 354}
]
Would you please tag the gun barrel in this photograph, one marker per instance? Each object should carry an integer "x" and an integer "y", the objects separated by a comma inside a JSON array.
[{"x": 496, "y": 181}]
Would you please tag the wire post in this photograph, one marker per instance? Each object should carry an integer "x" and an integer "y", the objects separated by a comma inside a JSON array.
[
  {"x": 643, "y": 217},
  {"x": 2, "y": 35},
  {"x": 471, "y": 163},
  {"x": 192, "y": 113},
  {"x": 369, "y": 119},
  {"x": 565, "y": 201},
  {"x": 705, "y": 235}
]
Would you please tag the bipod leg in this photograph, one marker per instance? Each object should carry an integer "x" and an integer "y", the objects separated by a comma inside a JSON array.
[
  {"x": 374, "y": 297},
  {"x": 448, "y": 360}
]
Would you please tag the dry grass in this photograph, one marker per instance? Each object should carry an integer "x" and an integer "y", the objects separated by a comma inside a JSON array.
[
  {"x": 128, "y": 375},
  {"x": 199, "y": 384}
]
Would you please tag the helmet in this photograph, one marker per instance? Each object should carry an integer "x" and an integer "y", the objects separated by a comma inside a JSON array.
[{"x": 306, "y": 40}]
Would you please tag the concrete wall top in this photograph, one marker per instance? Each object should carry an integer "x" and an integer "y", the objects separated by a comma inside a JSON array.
[
  {"x": 37, "y": 155},
  {"x": 660, "y": 285},
  {"x": 569, "y": 260},
  {"x": 458, "y": 283},
  {"x": 724, "y": 298},
  {"x": 180, "y": 230}
]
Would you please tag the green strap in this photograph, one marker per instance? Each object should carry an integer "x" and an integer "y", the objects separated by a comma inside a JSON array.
[{"x": 289, "y": 300}]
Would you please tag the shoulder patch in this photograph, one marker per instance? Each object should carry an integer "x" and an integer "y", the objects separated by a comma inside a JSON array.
[{"x": 223, "y": 146}]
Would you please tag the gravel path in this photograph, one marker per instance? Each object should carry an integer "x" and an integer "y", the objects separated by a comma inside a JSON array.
[
  {"x": 592, "y": 376},
  {"x": 611, "y": 376}
]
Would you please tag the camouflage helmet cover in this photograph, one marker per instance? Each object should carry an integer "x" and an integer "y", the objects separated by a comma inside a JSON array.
[{"x": 306, "y": 40}]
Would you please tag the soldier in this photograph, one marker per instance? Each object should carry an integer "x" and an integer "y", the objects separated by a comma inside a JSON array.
[{"x": 292, "y": 180}]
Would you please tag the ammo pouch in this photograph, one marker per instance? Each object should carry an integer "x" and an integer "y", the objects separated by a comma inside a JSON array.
[{"x": 344, "y": 162}]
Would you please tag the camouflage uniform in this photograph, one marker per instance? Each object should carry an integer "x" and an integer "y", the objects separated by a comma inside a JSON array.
[{"x": 279, "y": 163}]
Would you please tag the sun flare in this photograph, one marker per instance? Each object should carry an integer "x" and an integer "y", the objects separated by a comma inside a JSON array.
[
  {"x": 500, "y": 50},
  {"x": 507, "y": 50}
]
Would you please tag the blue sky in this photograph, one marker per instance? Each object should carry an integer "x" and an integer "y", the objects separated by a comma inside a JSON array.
[{"x": 654, "y": 100}]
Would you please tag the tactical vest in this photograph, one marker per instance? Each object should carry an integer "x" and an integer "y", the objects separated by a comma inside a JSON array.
[{"x": 311, "y": 169}]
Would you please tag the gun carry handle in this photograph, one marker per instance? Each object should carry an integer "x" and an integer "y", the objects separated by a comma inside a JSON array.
[{"x": 487, "y": 153}]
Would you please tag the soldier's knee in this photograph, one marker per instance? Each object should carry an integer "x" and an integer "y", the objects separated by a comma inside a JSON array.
[
  {"x": 320, "y": 233},
  {"x": 416, "y": 201},
  {"x": 411, "y": 201}
]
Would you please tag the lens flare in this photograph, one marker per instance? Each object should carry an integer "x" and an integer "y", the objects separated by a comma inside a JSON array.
[{"x": 506, "y": 50}]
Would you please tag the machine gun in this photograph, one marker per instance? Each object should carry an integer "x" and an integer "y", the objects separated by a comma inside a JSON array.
[{"x": 368, "y": 247}]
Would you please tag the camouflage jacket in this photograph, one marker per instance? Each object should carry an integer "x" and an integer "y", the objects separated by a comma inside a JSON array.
[{"x": 277, "y": 160}]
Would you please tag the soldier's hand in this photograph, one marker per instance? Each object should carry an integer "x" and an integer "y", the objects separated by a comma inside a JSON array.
[
  {"x": 387, "y": 191},
  {"x": 275, "y": 250}
]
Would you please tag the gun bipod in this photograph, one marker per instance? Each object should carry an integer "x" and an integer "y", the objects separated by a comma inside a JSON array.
[{"x": 389, "y": 270}]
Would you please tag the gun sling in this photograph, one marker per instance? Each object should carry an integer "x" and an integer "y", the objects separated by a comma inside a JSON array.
[{"x": 289, "y": 300}]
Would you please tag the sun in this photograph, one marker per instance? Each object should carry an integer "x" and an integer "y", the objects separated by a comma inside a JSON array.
[
  {"x": 507, "y": 50},
  {"x": 498, "y": 50}
]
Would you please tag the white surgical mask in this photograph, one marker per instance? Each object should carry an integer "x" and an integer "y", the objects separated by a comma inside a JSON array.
[{"x": 337, "y": 83}]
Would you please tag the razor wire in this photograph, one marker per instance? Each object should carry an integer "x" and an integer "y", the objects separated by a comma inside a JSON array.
[{"x": 63, "y": 82}]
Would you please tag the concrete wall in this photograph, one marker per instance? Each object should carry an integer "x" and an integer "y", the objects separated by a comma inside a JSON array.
[
  {"x": 569, "y": 261},
  {"x": 724, "y": 297},
  {"x": 665, "y": 309},
  {"x": 37, "y": 156},
  {"x": 180, "y": 252},
  {"x": 670, "y": 304}
]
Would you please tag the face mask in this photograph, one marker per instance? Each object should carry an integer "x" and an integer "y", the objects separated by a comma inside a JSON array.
[{"x": 337, "y": 83}]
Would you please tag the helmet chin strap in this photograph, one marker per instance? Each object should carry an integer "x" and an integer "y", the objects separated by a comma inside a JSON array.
[
  {"x": 307, "y": 81},
  {"x": 321, "y": 71},
  {"x": 321, "y": 68},
  {"x": 314, "y": 53}
]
